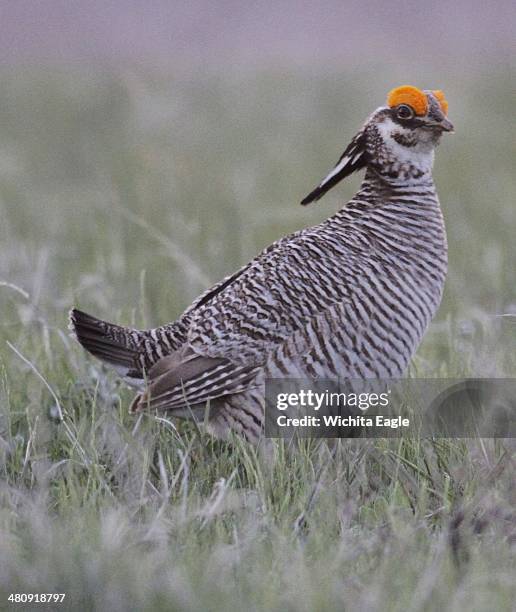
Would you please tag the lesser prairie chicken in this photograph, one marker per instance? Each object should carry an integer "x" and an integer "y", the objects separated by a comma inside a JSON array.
[{"x": 348, "y": 298}]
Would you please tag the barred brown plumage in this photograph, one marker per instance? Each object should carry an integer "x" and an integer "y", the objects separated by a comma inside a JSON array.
[{"x": 348, "y": 298}]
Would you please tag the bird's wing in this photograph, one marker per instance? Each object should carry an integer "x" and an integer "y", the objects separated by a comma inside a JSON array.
[{"x": 186, "y": 378}]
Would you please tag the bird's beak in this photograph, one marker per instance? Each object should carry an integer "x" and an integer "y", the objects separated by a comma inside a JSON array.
[{"x": 445, "y": 125}]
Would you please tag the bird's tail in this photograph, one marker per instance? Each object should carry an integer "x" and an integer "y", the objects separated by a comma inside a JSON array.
[{"x": 116, "y": 345}]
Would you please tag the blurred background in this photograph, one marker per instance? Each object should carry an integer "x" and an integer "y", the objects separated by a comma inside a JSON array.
[{"x": 149, "y": 148}]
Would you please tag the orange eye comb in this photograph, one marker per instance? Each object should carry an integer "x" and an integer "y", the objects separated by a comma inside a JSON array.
[
  {"x": 441, "y": 99},
  {"x": 414, "y": 97}
]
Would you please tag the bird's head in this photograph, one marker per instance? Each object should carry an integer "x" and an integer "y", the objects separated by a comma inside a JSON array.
[
  {"x": 397, "y": 140},
  {"x": 412, "y": 118}
]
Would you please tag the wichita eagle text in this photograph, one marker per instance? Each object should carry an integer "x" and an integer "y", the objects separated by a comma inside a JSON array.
[{"x": 340, "y": 421}]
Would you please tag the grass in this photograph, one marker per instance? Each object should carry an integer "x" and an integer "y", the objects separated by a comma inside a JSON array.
[{"x": 126, "y": 194}]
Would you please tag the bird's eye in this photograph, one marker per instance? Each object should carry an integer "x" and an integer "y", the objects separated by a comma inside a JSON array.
[{"x": 404, "y": 112}]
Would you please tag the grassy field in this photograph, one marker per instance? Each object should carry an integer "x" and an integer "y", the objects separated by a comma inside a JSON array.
[{"x": 127, "y": 194}]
